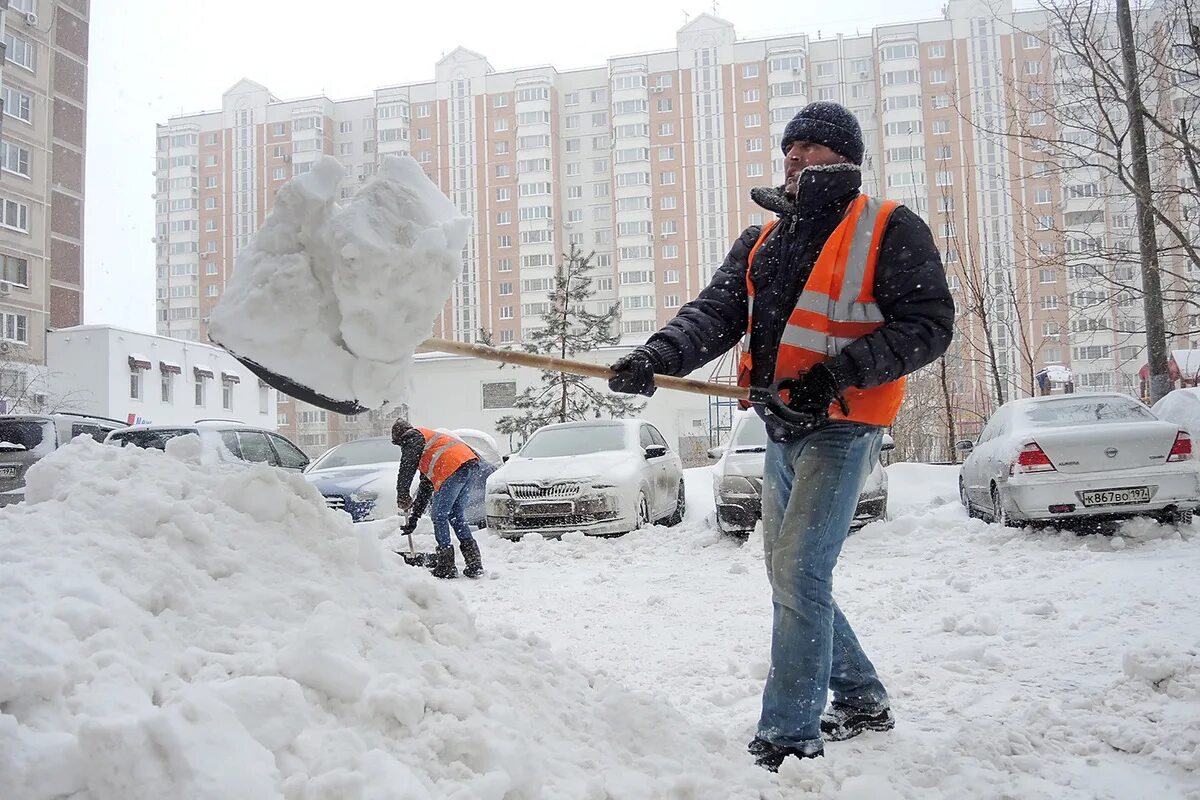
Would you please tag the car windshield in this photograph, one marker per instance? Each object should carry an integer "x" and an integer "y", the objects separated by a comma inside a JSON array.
[
  {"x": 154, "y": 439},
  {"x": 751, "y": 434},
  {"x": 25, "y": 434},
  {"x": 554, "y": 442},
  {"x": 1084, "y": 411},
  {"x": 364, "y": 451}
]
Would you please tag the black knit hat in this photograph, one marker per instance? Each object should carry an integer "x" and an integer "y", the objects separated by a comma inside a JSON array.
[{"x": 830, "y": 124}]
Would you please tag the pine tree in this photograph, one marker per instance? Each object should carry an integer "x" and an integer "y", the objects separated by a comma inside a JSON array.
[{"x": 569, "y": 328}]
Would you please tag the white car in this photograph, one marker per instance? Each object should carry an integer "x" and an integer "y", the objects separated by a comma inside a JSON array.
[
  {"x": 221, "y": 439},
  {"x": 737, "y": 479},
  {"x": 1060, "y": 458},
  {"x": 601, "y": 478},
  {"x": 1182, "y": 407}
]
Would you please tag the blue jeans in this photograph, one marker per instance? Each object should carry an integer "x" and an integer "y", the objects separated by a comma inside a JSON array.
[
  {"x": 450, "y": 503},
  {"x": 810, "y": 490}
]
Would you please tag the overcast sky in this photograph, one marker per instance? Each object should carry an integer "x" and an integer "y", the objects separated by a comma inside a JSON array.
[{"x": 151, "y": 59}]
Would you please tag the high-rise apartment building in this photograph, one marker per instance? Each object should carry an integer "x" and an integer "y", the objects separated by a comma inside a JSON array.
[
  {"x": 43, "y": 90},
  {"x": 649, "y": 160}
]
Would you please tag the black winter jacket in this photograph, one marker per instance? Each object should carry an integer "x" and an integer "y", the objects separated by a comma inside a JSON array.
[
  {"x": 412, "y": 445},
  {"x": 910, "y": 290}
]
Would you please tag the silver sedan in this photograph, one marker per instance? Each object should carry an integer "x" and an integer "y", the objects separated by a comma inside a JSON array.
[{"x": 1066, "y": 457}]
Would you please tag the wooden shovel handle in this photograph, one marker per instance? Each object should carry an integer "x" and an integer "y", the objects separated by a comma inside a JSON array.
[{"x": 539, "y": 361}]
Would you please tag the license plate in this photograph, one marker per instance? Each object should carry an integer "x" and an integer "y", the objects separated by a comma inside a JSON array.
[
  {"x": 1116, "y": 497},
  {"x": 544, "y": 509},
  {"x": 8, "y": 472}
]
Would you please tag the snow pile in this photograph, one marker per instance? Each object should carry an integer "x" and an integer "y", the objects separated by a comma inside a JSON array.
[
  {"x": 337, "y": 299},
  {"x": 173, "y": 631}
]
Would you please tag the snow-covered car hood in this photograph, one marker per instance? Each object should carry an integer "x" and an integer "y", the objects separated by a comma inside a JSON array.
[
  {"x": 351, "y": 479},
  {"x": 612, "y": 465},
  {"x": 748, "y": 464}
]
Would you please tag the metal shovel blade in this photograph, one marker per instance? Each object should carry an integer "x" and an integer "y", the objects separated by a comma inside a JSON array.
[{"x": 297, "y": 390}]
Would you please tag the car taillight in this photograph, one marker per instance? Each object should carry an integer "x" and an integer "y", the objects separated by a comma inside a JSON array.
[
  {"x": 1182, "y": 449},
  {"x": 1032, "y": 459}
]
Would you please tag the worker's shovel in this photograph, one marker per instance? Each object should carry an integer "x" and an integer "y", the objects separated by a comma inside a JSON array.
[{"x": 415, "y": 559}]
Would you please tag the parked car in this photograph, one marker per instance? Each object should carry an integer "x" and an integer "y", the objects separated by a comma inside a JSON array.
[
  {"x": 599, "y": 477},
  {"x": 228, "y": 439},
  {"x": 1182, "y": 407},
  {"x": 1077, "y": 456},
  {"x": 738, "y": 475},
  {"x": 359, "y": 477},
  {"x": 25, "y": 438}
]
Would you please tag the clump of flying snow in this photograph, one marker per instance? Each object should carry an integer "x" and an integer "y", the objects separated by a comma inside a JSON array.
[
  {"x": 337, "y": 298},
  {"x": 171, "y": 628}
]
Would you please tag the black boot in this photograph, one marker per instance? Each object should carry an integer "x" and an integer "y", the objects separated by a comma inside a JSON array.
[
  {"x": 770, "y": 756},
  {"x": 842, "y": 722},
  {"x": 472, "y": 560},
  {"x": 444, "y": 566}
]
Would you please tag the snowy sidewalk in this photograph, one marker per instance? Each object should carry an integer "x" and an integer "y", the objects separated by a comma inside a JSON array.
[{"x": 1021, "y": 664}]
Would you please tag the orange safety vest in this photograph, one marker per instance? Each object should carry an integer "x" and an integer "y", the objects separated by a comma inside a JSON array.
[
  {"x": 442, "y": 456},
  {"x": 835, "y": 307}
]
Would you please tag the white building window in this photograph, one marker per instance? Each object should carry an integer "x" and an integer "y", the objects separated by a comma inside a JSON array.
[
  {"x": 754, "y": 145},
  {"x": 14, "y": 328},
  {"x": 14, "y": 158},
  {"x": 17, "y": 104},
  {"x": 19, "y": 51},
  {"x": 135, "y": 384},
  {"x": 227, "y": 395},
  {"x": 167, "y": 388},
  {"x": 15, "y": 215}
]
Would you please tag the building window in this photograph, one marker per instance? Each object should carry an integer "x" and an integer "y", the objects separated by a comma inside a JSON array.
[
  {"x": 227, "y": 395},
  {"x": 1042, "y": 197},
  {"x": 754, "y": 145},
  {"x": 14, "y": 270},
  {"x": 1033, "y": 67},
  {"x": 14, "y": 328},
  {"x": 135, "y": 384},
  {"x": 667, "y": 179},
  {"x": 1049, "y": 302},
  {"x": 499, "y": 394},
  {"x": 750, "y": 70},
  {"x": 506, "y": 288},
  {"x": 937, "y": 51},
  {"x": 18, "y": 104},
  {"x": 941, "y": 127},
  {"x": 19, "y": 51},
  {"x": 937, "y": 76},
  {"x": 167, "y": 390},
  {"x": 201, "y": 391},
  {"x": 752, "y": 96},
  {"x": 1047, "y": 275},
  {"x": 671, "y": 251},
  {"x": 504, "y": 241},
  {"x": 1049, "y": 329},
  {"x": 501, "y": 124},
  {"x": 754, "y": 170},
  {"x": 14, "y": 158},
  {"x": 944, "y": 178},
  {"x": 15, "y": 215}
]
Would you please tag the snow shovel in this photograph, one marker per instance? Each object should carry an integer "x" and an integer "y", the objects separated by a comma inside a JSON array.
[
  {"x": 765, "y": 396},
  {"x": 415, "y": 559}
]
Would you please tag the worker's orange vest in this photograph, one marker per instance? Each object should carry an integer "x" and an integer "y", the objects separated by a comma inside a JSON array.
[
  {"x": 442, "y": 456},
  {"x": 836, "y": 306}
]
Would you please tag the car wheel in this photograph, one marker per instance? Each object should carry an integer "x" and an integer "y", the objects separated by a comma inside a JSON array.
[
  {"x": 1000, "y": 514},
  {"x": 643, "y": 512},
  {"x": 680, "y": 507},
  {"x": 972, "y": 512}
]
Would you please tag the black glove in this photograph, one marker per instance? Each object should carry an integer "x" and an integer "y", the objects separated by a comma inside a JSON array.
[
  {"x": 812, "y": 392},
  {"x": 409, "y": 527},
  {"x": 635, "y": 372}
]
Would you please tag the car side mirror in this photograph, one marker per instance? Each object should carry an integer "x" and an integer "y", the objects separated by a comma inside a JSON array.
[
  {"x": 655, "y": 451},
  {"x": 716, "y": 452},
  {"x": 888, "y": 443},
  {"x": 964, "y": 446}
]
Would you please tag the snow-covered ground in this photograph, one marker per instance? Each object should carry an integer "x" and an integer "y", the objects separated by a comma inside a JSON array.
[{"x": 168, "y": 631}]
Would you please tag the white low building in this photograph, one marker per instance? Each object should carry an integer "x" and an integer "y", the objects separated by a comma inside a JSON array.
[{"x": 143, "y": 378}]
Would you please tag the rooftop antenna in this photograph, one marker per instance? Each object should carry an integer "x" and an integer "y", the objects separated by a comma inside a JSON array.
[
  {"x": 686, "y": 16},
  {"x": 716, "y": 8}
]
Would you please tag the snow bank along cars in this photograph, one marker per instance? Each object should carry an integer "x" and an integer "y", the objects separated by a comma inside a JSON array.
[
  {"x": 1074, "y": 456},
  {"x": 359, "y": 477},
  {"x": 738, "y": 475},
  {"x": 601, "y": 478},
  {"x": 25, "y": 438},
  {"x": 222, "y": 438}
]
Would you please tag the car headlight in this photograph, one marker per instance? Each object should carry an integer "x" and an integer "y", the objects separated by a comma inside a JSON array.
[
  {"x": 736, "y": 484},
  {"x": 366, "y": 496},
  {"x": 497, "y": 488}
]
